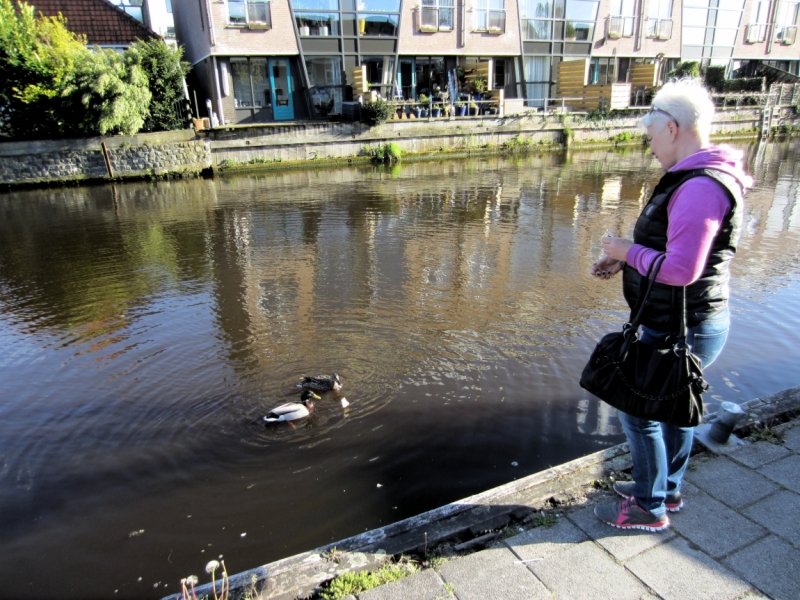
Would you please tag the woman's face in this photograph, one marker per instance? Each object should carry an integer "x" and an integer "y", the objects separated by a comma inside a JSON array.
[{"x": 662, "y": 143}]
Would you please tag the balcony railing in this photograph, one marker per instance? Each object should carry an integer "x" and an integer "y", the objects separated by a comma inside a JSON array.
[
  {"x": 619, "y": 27},
  {"x": 756, "y": 32},
  {"x": 786, "y": 35},
  {"x": 659, "y": 28}
]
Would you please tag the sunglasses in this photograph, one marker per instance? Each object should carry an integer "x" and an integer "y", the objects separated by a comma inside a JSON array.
[{"x": 662, "y": 111}]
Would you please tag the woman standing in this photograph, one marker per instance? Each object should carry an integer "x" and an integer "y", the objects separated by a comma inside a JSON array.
[{"x": 694, "y": 216}]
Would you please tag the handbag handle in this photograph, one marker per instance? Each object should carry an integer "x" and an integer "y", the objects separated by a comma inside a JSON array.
[{"x": 652, "y": 273}]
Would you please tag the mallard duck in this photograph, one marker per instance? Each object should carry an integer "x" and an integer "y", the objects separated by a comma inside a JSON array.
[
  {"x": 293, "y": 410},
  {"x": 321, "y": 384}
]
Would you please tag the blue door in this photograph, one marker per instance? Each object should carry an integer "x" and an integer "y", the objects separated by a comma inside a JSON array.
[{"x": 280, "y": 79}]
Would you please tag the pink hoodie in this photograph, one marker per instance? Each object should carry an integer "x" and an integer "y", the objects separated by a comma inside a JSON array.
[{"x": 695, "y": 213}]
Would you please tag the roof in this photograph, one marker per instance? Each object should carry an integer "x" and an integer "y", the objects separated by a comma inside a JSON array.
[{"x": 101, "y": 22}]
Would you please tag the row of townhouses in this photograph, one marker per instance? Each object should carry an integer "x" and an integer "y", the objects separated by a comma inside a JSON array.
[{"x": 257, "y": 61}]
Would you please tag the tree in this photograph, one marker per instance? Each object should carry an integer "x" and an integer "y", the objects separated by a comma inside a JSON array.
[{"x": 165, "y": 72}]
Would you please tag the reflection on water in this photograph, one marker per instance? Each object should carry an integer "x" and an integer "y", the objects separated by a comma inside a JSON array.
[{"x": 145, "y": 329}]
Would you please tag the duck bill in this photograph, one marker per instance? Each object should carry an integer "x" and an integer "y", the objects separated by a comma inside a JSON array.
[{"x": 315, "y": 397}]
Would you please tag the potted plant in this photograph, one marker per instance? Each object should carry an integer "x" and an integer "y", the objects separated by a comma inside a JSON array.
[
  {"x": 304, "y": 28},
  {"x": 461, "y": 108},
  {"x": 478, "y": 87},
  {"x": 473, "y": 108}
]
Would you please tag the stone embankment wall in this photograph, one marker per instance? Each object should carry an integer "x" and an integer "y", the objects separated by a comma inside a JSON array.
[
  {"x": 143, "y": 155},
  {"x": 310, "y": 143}
]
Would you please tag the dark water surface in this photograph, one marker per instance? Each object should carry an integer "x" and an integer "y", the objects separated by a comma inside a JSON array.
[{"x": 146, "y": 327}]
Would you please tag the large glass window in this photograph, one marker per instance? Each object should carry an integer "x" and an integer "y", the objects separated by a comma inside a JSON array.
[
  {"x": 250, "y": 83},
  {"x": 538, "y": 18},
  {"x": 379, "y": 5},
  {"x": 317, "y": 23},
  {"x": 379, "y": 74},
  {"x": 489, "y": 15},
  {"x": 325, "y": 84},
  {"x": 537, "y": 77},
  {"x": 315, "y": 4},
  {"x": 378, "y": 24},
  {"x": 581, "y": 16},
  {"x": 659, "y": 24},
  {"x": 437, "y": 15}
]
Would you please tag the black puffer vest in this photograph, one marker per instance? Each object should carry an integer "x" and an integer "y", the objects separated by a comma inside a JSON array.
[{"x": 708, "y": 295}]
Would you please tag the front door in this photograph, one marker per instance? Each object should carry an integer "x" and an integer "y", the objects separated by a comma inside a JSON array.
[{"x": 280, "y": 78}]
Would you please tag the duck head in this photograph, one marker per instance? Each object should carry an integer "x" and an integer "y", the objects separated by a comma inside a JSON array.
[
  {"x": 337, "y": 383},
  {"x": 308, "y": 397}
]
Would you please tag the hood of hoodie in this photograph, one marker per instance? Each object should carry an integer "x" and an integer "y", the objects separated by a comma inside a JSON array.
[{"x": 721, "y": 158}]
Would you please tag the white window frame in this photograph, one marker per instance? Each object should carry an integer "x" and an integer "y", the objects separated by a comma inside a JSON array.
[
  {"x": 430, "y": 15},
  {"x": 483, "y": 14}
]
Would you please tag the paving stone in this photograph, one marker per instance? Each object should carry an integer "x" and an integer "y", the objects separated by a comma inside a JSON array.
[
  {"x": 542, "y": 542},
  {"x": 425, "y": 585},
  {"x": 492, "y": 575},
  {"x": 621, "y": 544},
  {"x": 786, "y": 472},
  {"x": 758, "y": 454},
  {"x": 771, "y": 512},
  {"x": 791, "y": 438},
  {"x": 714, "y": 527},
  {"x": 678, "y": 571},
  {"x": 772, "y": 565},
  {"x": 586, "y": 571},
  {"x": 733, "y": 484}
]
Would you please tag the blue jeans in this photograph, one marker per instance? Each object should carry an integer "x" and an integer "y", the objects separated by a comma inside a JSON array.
[{"x": 660, "y": 451}]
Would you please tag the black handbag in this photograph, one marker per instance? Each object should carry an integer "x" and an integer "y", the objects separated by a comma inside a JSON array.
[{"x": 658, "y": 384}]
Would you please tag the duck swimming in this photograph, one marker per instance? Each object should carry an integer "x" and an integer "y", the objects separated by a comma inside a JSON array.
[
  {"x": 293, "y": 410},
  {"x": 321, "y": 384}
]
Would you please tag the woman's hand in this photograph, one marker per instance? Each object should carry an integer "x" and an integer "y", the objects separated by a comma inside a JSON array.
[
  {"x": 606, "y": 268},
  {"x": 616, "y": 248}
]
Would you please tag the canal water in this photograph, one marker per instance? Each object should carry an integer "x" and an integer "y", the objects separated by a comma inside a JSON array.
[{"x": 146, "y": 328}]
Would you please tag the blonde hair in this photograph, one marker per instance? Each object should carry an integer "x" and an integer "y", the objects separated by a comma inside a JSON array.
[{"x": 685, "y": 101}]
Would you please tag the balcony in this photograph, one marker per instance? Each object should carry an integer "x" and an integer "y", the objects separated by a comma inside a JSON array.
[
  {"x": 254, "y": 14},
  {"x": 755, "y": 32},
  {"x": 786, "y": 35},
  {"x": 660, "y": 29},
  {"x": 617, "y": 27}
]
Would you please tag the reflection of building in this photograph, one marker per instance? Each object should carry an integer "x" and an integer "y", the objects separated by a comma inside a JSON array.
[{"x": 261, "y": 61}]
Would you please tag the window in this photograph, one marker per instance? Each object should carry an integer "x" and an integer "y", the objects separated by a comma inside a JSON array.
[
  {"x": 249, "y": 12},
  {"x": 317, "y": 23},
  {"x": 786, "y": 22},
  {"x": 489, "y": 15},
  {"x": 601, "y": 71},
  {"x": 620, "y": 22},
  {"x": 325, "y": 84},
  {"x": 315, "y": 4},
  {"x": 250, "y": 83},
  {"x": 378, "y": 24},
  {"x": 537, "y": 18},
  {"x": 132, "y": 7},
  {"x": 437, "y": 15},
  {"x": 581, "y": 16},
  {"x": 659, "y": 23},
  {"x": 537, "y": 77},
  {"x": 169, "y": 6}
]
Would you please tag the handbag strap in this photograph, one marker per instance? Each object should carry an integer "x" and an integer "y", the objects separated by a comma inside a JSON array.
[{"x": 652, "y": 273}]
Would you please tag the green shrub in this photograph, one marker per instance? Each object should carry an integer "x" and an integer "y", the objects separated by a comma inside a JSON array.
[
  {"x": 689, "y": 68},
  {"x": 392, "y": 152},
  {"x": 715, "y": 78},
  {"x": 376, "y": 112},
  {"x": 751, "y": 84}
]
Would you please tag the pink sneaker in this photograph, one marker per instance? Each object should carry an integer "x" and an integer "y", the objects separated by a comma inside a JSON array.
[{"x": 629, "y": 515}]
